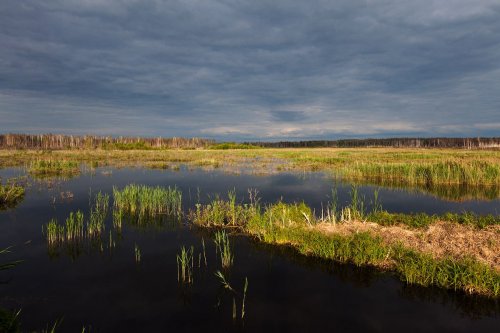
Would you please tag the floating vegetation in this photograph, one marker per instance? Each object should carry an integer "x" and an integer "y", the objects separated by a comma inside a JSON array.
[
  {"x": 142, "y": 203},
  {"x": 223, "y": 247},
  {"x": 10, "y": 194},
  {"x": 51, "y": 168},
  {"x": 185, "y": 265}
]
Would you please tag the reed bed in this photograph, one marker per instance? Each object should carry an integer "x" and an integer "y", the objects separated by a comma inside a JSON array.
[
  {"x": 446, "y": 172},
  {"x": 148, "y": 201},
  {"x": 76, "y": 229},
  {"x": 10, "y": 194}
]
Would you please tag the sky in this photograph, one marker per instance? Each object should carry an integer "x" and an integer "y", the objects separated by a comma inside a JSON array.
[{"x": 251, "y": 70}]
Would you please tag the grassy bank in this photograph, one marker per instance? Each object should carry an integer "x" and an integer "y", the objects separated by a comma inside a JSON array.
[{"x": 296, "y": 226}]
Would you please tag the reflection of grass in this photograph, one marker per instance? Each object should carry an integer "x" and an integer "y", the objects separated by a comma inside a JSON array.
[
  {"x": 10, "y": 194},
  {"x": 450, "y": 192},
  {"x": 293, "y": 224}
]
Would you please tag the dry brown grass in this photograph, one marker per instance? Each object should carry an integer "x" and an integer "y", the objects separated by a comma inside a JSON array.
[{"x": 441, "y": 239}]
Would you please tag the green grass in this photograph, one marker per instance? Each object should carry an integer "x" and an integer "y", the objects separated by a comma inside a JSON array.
[
  {"x": 10, "y": 194},
  {"x": 422, "y": 220},
  {"x": 72, "y": 231},
  {"x": 435, "y": 173},
  {"x": 232, "y": 145}
]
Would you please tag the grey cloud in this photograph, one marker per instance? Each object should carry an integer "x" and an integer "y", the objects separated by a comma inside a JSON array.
[{"x": 250, "y": 69}]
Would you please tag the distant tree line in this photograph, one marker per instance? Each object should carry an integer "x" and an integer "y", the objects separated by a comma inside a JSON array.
[
  {"x": 55, "y": 141},
  {"x": 466, "y": 143}
]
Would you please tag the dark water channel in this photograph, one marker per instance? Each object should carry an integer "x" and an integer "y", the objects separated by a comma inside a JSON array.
[{"x": 104, "y": 288}]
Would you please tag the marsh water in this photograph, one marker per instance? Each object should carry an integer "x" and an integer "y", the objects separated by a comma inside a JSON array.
[{"x": 105, "y": 288}]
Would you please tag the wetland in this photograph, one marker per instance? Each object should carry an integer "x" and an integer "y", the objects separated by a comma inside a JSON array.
[{"x": 250, "y": 239}]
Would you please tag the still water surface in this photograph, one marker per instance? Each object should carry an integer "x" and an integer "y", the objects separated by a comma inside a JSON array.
[{"x": 105, "y": 289}]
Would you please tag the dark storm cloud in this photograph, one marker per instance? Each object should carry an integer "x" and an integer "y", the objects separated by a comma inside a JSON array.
[{"x": 250, "y": 69}]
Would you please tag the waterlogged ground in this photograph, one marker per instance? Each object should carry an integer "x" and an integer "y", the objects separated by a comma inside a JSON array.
[{"x": 104, "y": 287}]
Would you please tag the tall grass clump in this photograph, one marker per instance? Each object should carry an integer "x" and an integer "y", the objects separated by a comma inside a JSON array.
[
  {"x": 98, "y": 212},
  {"x": 53, "y": 168},
  {"x": 221, "y": 212},
  {"x": 428, "y": 173},
  {"x": 10, "y": 194},
  {"x": 74, "y": 228},
  {"x": 71, "y": 232},
  {"x": 185, "y": 265},
  {"x": 223, "y": 247},
  {"x": 148, "y": 201},
  {"x": 464, "y": 274}
]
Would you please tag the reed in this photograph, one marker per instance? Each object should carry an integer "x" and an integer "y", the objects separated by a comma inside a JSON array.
[
  {"x": 147, "y": 201},
  {"x": 223, "y": 247},
  {"x": 423, "y": 220},
  {"x": 74, "y": 229},
  {"x": 98, "y": 212},
  {"x": 185, "y": 265}
]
